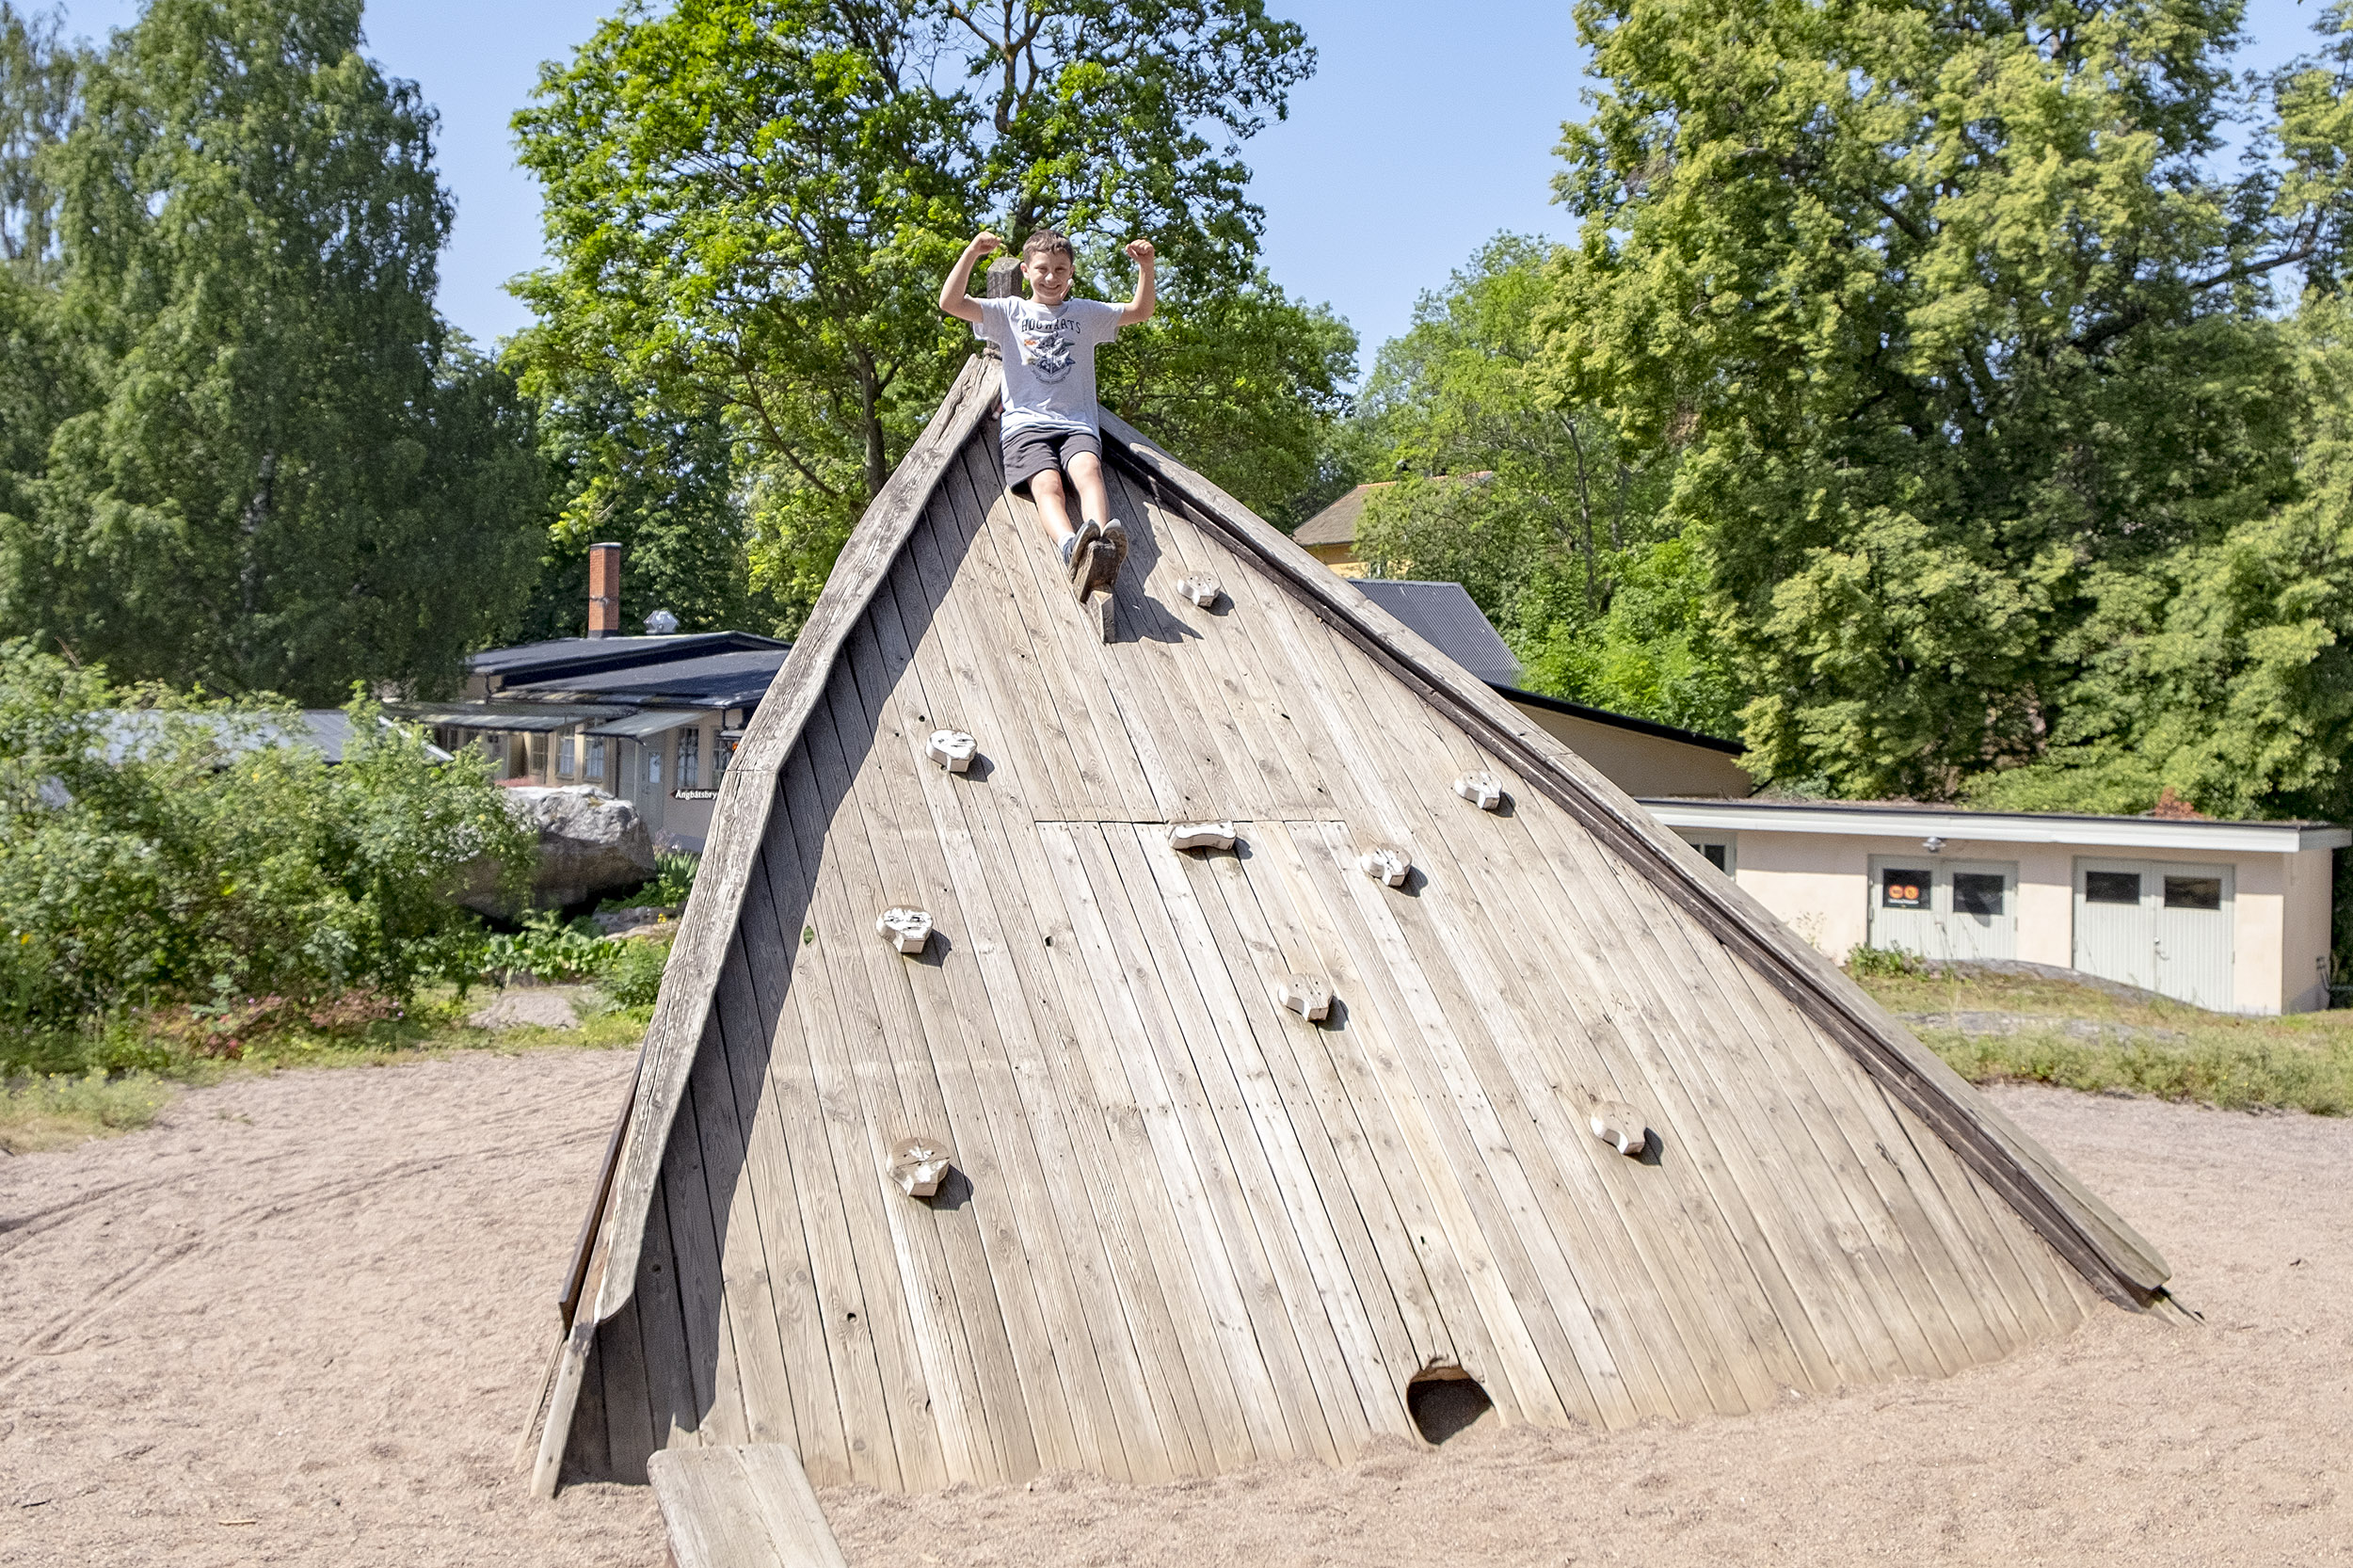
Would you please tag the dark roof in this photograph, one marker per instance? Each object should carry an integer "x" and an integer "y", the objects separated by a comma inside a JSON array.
[
  {"x": 722, "y": 677},
  {"x": 1445, "y": 618},
  {"x": 1621, "y": 721},
  {"x": 569, "y": 658}
]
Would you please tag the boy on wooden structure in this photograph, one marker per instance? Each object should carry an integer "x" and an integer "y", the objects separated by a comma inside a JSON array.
[{"x": 1049, "y": 430}]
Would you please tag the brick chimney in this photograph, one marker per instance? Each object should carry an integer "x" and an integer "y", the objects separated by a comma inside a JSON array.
[{"x": 604, "y": 590}]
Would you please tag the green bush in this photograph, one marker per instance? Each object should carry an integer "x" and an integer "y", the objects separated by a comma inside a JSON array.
[
  {"x": 632, "y": 976},
  {"x": 673, "y": 879},
  {"x": 1870, "y": 963},
  {"x": 161, "y": 849}
]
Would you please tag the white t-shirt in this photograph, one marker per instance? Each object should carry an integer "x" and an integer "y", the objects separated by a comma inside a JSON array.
[{"x": 1049, "y": 352}]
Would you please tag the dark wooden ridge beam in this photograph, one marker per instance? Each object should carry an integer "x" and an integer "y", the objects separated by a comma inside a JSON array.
[{"x": 2107, "y": 1251}]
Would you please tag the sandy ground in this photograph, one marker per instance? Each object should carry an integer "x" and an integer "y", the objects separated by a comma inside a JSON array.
[{"x": 299, "y": 1320}]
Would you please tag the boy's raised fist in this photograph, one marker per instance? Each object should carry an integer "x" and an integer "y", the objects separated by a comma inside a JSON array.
[
  {"x": 1140, "y": 249},
  {"x": 987, "y": 243}
]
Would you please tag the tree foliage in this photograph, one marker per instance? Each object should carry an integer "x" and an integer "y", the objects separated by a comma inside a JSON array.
[
  {"x": 37, "y": 77},
  {"x": 751, "y": 203},
  {"x": 282, "y": 472},
  {"x": 1956, "y": 344},
  {"x": 156, "y": 848},
  {"x": 1534, "y": 504}
]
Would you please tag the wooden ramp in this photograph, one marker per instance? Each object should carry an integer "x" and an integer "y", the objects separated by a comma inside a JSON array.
[{"x": 1184, "y": 1225}]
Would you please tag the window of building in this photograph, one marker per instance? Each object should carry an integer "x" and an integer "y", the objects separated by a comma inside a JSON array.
[
  {"x": 564, "y": 755},
  {"x": 538, "y": 765},
  {"x": 689, "y": 758},
  {"x": 1978, "y": 893},
  {"x": 653, "y": 765},
  {"x": 1904, "y": 888},
  {"x": 2111, "y": 886},
  {"x": 2192, "y": 892},
  {"x": 595, "y": 757}
]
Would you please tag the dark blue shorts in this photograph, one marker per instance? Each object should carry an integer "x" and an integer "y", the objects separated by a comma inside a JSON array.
[{"x": 1030, "y": 452}]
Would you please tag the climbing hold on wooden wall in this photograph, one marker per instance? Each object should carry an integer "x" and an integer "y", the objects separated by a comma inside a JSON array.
[
  {"x": 1386, "y": 864},
  {"x": 1310, "y": 998},
  {"x": 1483, "y": 790},
  {"x": 905, "y": 929},
  {"x": 951, "y": 749},
  {"x": 1618, "y": 1124},
  {"x": 917, "y": 1164},
  {"x": 1201, "y": 588},
  {"x": 1201, "y": 834}
]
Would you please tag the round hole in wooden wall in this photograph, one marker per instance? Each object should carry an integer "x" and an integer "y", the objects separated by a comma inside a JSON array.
[{"x": 1446, "y": 1403}]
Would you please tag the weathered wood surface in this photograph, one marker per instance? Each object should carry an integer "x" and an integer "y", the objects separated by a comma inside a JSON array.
[
  {"x": 742, "y": 1506},
  {"x": 1186, "y": 1227}
]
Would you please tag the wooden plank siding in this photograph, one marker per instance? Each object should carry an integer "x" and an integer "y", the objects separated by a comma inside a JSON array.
[{"x": 1187, "y": 1229}]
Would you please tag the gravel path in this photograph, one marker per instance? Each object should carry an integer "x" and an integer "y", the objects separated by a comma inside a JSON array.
[{"x": 299, "y": 1320}]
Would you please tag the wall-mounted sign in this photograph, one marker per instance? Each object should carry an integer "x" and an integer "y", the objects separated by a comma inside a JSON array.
[{"x": 693, "y": 794}]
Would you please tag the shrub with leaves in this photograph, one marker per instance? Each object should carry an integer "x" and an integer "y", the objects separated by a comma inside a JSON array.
[{"x": 158, "y": 848}]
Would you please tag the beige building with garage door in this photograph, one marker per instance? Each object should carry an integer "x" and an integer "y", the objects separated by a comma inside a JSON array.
[{"x": 2232, "y": 915}]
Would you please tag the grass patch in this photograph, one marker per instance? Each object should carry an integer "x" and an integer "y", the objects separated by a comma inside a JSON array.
[
  {"x": 64, "y": 1086},
  {"x": 60, "y": 1110},
  {"x": 2031, "y": 1028}
]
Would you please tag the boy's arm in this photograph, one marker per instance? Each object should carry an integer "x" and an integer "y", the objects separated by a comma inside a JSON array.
[
  {"x": 952, "y": 297},
  {"x": 1140, "y": 308}
]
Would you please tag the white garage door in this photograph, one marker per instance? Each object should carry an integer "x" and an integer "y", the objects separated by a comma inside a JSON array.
[
  {"x": 1945, "y": 908},
  {"x": 2157, "y": 924}
]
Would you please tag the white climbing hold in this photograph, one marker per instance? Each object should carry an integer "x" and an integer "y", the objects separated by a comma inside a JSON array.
[
  {"x": 1201, "y": 588},
  {"x": 905, "y": 929},
  {"x": 1483, "y": 790},
  {"x": 917, "y": 1165},
  {"x": 1618, "y": 1124},
  {"x": 1201, "y": 834},
  {"x": 1386, "y": 864},
  {"x": 951, "y": 749},
  {"x": 1310, "y": 998}
]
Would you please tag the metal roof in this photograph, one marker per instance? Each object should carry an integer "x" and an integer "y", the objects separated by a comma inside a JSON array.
[
  {"x": 573, "y": 658},
  {"x": 726, "y": 678},
  {"x": 509, "y": 715},
  {"x": 1898, "y": 820},
  {"x": 651, "y": 721},
  {"x": 324, "y": 730},
  {"x": 1445, "y": 618}
]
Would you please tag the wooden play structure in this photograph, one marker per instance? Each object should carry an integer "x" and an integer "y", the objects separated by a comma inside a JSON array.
[{"x": 1230, "y": 1041}]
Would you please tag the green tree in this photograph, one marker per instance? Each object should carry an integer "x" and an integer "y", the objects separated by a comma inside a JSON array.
[
  {"x": 38, "y": 75},
  {"x": 159, "y": 848},
  {"x": 2222, "y": 671},
  {"x": 1946, "y": 323},
  {"x": 750, "y": 201},
  {"x": 290, "y": 477}
]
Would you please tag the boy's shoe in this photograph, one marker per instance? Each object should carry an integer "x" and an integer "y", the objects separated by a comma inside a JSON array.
[
  {"x": 1112, "y": 556},
  {"x": 1078, "y": 552}
]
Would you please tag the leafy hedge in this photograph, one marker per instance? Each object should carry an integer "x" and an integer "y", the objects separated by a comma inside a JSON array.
[{"x": 158, "y": 848}]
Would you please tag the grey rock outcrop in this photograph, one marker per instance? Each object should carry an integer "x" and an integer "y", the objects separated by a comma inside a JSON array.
[{"x": 589, "y": 844}]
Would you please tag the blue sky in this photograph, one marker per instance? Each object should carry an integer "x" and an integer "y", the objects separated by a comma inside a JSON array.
[{"x": 1416, "y": 140}]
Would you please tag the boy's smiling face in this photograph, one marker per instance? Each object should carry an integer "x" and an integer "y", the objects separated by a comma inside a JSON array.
[{"x": 1049, "y": 272}]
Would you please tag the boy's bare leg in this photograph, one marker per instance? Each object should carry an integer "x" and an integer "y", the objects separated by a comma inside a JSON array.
[
  {"x": 1086, "y": 471},
  {"x": 1046, "y": 489}
]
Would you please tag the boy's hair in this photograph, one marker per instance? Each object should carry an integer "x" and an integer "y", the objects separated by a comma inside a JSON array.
[{"x": 1045, "y": 242}]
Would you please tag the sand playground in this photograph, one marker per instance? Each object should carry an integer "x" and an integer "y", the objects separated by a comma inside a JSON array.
[{"x": 302, "y": 1319}]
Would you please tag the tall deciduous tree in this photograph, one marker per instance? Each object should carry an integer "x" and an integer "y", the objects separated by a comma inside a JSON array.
[
  {"x": 750, "y": 201},
  {"x": 291, "y": 476},
  {"x": 1947, "y": 320},
  {"x": 38, "y": 75}
]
